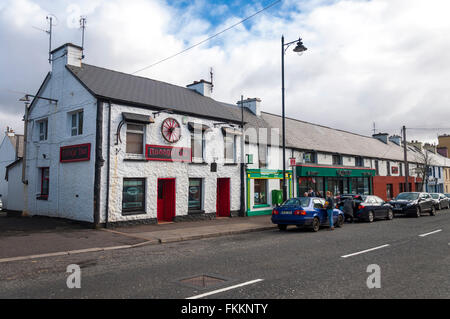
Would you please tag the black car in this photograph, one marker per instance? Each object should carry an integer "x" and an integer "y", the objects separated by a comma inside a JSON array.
[
  {"x": 373, "y": 207},
  {"x": 441, "y": 201},
  {"x": 413, "y": 203},
  {"x": 356, "y": 200}
]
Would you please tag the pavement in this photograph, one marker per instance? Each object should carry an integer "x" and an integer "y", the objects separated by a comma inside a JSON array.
[{"x": 37, "y": 237}]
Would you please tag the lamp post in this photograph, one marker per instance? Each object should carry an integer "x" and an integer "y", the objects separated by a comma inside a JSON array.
[{"x": 299, "y": 49}]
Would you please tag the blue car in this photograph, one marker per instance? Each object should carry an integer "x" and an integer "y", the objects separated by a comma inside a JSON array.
[{"x": 305, "y": 211}]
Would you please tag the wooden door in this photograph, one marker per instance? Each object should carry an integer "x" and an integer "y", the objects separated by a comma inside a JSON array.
[
  {"x": 223, "y": 197},
  {"x": 166, "y": 199}
]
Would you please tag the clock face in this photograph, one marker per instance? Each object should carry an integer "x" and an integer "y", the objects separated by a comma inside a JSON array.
[{"x": 170, "y": 130}]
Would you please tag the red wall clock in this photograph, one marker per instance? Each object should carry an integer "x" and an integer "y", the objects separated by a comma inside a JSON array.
[{"x": 170, "y": 130}]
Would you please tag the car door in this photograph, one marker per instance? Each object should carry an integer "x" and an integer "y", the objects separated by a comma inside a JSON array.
[
  {"x": 370, "y": 205},
  {"x": 319, "y": 205},
  {"x": 428, "y": 202},
  {"x": 382, "y": 207}
]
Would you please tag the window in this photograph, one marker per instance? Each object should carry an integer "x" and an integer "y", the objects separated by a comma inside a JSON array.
[
  {"x": 197, "y": 146},
  {"x": 377, "y": 168},
  {"x": 388, "y": 168},
  {"x": 309, "y": 157},
  {"x": 195, "y": 194},
  {"x": 230, "y": 148},
  {"x": 262, "y": 155},
  {"x": 135, "y": 138},
  {"x": 76, "y": 121},
  {"x": 439, "y": 172},
  {"x": 401, "y": 169},
  {"x": 133, "y": 196},
  {"x": 43, "y": 130},
  {"x": 45, "y": 183},
  {"x": 260, "y": 191},
  {"x": 389, "y": 191},
  {"x": 337, "y": 160},
  {"x": 359, "y": 161}
]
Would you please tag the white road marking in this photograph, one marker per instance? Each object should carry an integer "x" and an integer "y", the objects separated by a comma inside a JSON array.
[
  {"x": 365, "y": 251},
  {"x": 433, "y": 232},
  {"x": 225, "y": 289}
]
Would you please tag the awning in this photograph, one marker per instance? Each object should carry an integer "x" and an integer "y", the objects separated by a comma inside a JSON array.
[
  {"x": 231, "y": 131},
  {"x": 197, "y": 126},
  {"x": 137, "y": 118}
]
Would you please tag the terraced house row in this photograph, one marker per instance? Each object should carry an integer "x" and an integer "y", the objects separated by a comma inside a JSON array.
[{"x": 106, "y": 147}]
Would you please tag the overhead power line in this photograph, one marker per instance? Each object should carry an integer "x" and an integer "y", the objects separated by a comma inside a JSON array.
[{"x": 209, "y": 38}]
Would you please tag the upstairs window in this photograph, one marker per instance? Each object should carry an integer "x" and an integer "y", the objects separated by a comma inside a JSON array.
[
  {"x": 359, "y": 161},
  {"x": 230, "y": 148},
  {"x": 337, "y": 159},
  {"x": 388, "y": 168},
  {"x": 262, "y": 155},
  {"x": 135, "y": 139},
  {"x": 309, "y": 157},
  {"x": 197, "y": 147},
  {"x": 43, "y": 130},
  {"x": 76, "y": 121},
  {"x": 377, "y": 168}
]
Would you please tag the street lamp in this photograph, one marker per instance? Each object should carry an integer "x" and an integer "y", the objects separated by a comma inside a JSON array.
[{"x": 299, "y": 48}]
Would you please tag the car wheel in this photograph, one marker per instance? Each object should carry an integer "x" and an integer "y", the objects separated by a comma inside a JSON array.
[
  {"x": 315, "y": 224},
  {"x": 418, "y": 212},
  {"x": 340, "y": 221},
  {"x": 370, "y": 217},
  {"x": 282, "y": 227},
  {"x": 390, "y": 215},
  {"x": 433, "y": 211}
]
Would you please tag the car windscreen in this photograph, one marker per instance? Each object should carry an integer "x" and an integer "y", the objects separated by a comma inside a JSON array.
[
  {"x": 302, "y": 201},
  {"x": 407, "y": 196},
  {"x": 435, "y": 196}
]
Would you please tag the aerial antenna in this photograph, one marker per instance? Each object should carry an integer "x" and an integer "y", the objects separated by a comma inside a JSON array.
[
  {"x": 83, "y": 27},
  {"x": 50, "y": 18},
  {"x": 374, "y": 128},
  {"x": 211, "y": 75}
]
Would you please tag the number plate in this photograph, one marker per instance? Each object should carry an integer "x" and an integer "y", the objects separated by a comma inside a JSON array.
[{"x": 286, "y": 212}]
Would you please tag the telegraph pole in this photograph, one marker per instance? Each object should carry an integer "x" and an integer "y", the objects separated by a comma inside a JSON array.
[{"x": 405, "y": 154}]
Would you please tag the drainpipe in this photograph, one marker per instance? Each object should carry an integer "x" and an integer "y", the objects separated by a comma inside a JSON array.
[
  {"x": 25, "y": 133},
  {"x": 99, "y": 161},
  {"x": 108, "y": 165},
  {"x": 242, "y": 212}
]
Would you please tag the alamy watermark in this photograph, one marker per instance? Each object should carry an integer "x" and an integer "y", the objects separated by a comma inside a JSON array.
[
  {"x": 74, "y": 279},
  {"x": 374, "y": 279}
]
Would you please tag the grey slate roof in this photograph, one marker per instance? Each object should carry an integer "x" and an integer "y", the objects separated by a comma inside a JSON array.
[{"x": 138, "y": 90}]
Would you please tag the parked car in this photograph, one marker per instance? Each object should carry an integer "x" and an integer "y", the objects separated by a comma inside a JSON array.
[
  {"x": 305, "y": 211},
  {"x": 447, "y": 195},
  {"x": 413, "y": 203},
  {"x": 356, "y": 198},
  {"x": 1, "y": 203},
  {"x": 440, "y": 201},
  {"x": 373, "y": 207}
]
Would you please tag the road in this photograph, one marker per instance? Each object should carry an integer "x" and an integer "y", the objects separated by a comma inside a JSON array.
[{"x": 412, "y": 253}]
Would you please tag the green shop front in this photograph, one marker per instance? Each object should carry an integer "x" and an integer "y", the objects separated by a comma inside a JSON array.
[
  {"x": 262, "y": 187},
  {"x": 338, "y": 180}
]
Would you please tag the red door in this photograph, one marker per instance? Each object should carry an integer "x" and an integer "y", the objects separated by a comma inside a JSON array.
[
  {"x": 223, "y": 197},
  {"x": 166, "y": 199}
]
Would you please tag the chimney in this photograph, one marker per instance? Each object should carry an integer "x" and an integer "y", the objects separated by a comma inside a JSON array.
[
  {"x": 203, "y": 87},
  {"x": 254, "y": 105},
  {"x": 66, "y": 54},
  {"x": 416, "y": 144},
  {"x": 396, "y": 139},
  {"x": 443, "y": 151},
  {"x": 430, "y": 147},
  {"x": 382, "y": 137}
]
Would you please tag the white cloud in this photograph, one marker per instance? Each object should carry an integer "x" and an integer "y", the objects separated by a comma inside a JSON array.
[{"x": 381, "y": 60}]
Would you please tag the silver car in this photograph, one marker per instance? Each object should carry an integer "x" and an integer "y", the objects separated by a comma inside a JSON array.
[{"x": 441, "y": 201}]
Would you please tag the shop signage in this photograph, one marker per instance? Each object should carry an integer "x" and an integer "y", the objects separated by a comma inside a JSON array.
[
  {"x": 342, "y": 172},
  {"x": 394, "y": 169},
  {"x": 167, "y": 153},
  {"x": 292, "y": 161},
  {"x": 75, "y": 153}
]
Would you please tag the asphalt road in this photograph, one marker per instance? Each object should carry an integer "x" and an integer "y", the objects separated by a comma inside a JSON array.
[{"x": 292, "y": 264}]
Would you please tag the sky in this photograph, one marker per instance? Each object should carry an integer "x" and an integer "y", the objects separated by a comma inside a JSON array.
[{"x": 380, "y": 61}]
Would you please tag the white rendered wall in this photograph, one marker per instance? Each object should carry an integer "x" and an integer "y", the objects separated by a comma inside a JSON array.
[
  {"x": 7, "y": 156},
  {"x": 15, "y": 188}
]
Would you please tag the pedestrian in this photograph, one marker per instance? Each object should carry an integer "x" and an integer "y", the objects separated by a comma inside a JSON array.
[
  {"x": 311, "y": 193},
  {"x": 306, "y": 194},
  {"x": 319, "y": 194},
  {"x": 329, "y": 204},
  {"x": 349, "y": 205}
]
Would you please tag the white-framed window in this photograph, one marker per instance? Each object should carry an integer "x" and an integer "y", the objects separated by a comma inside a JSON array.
[
  {"x": 198, "y": 147},
  {"x": 230, "y": 148},
  {"x": 43, "y": 129},
  {"x": 135, "y": 138},
  {"x": 76, "y": 123}
]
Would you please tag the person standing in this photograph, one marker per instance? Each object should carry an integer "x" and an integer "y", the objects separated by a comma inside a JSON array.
[
  {"x": 348, "y": 209},
  {"x": 330, "y": 206}
]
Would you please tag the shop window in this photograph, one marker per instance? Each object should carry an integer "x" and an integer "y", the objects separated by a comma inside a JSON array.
[
  {"x": 260, "y": 191},
  {"x": 230, "y": 148},
  {"x": 45, "y": 183},
  {"x": 195, "y": 194},
  {"x": 133, "y": 196},
  {"x": 76, "y": 123},
  {"x": 135, "y": 138},
  {"x": 43, "y": 130}
]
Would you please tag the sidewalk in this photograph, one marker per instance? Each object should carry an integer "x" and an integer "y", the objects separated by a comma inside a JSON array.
[
  {"x": 182, "y": 231},
  {"x": 35, "y": 237}
]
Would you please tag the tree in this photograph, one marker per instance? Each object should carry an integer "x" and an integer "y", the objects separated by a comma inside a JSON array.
[{"x": 424, "y": 163}]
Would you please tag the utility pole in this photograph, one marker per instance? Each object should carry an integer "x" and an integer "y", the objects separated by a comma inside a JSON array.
[
  {"x": 405, "y": 154},
  {"x": 242, "y": 213}
]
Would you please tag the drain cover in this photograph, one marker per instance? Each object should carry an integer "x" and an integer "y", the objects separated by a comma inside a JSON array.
[{"x": 202, "y": 281}]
